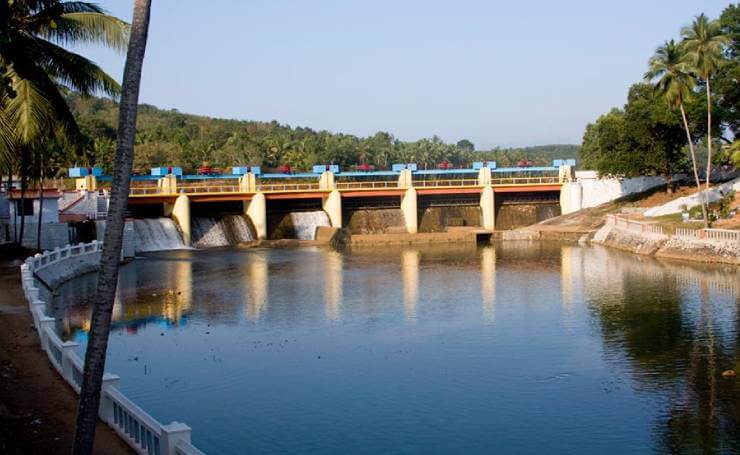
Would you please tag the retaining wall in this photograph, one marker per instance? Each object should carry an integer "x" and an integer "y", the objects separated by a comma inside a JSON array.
[{"x": 702, "y": 245}]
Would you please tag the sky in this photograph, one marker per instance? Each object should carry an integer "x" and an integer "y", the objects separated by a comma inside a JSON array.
[{"x": 505, "y": 74}]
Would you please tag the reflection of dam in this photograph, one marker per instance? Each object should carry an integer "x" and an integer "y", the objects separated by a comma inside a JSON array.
[
  {"x": 410, "y": 277},
  {"x": 134, "y": 306},
  {"x": 255, "y": 287},
  {"x": 583, "y": 274}
]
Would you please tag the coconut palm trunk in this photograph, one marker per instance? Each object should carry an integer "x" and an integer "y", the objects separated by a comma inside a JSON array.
[
  {"x": 709, "y": 132},
  {"x": 41, "y": 200},
  {"x": 24, "y": 186},
  {"x": 87, "y": 414},
  {"x": 693, "y": 163}
]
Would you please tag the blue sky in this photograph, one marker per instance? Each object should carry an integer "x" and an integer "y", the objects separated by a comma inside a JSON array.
[{"x": 509, "y": 73}]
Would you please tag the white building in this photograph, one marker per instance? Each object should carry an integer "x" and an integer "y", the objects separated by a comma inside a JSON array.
[{"x": 53, "y": 233}]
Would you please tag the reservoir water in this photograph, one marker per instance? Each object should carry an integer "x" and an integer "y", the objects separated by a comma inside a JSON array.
[{"x": 511, "y": 348}]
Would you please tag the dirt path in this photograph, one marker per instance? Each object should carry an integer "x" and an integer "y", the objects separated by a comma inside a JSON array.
[{"x": 37, "y": 408}]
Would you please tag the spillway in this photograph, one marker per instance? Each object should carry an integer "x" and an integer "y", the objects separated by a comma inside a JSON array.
[
  {"x": 209, "y": 232},
  {"x": 156, "y": 234},
  {"x": 305, "y": 223}
]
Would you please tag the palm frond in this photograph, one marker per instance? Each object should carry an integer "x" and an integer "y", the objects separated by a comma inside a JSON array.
[
  {"x": 75, "y": 71},
  {"x": 85, "y": 27},
  {"x": 37, "y": 108}
]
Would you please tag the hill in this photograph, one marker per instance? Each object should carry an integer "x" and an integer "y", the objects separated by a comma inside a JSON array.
[{"x": 171, "y": 137}]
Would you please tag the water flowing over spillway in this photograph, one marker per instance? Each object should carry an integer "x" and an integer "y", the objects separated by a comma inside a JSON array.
[
  {"x": 156, "y": 234},
  {"x": 227, "y": 230},
  {"x": 305, "y": 223}
]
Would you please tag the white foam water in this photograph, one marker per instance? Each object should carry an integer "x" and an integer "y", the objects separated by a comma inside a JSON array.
[
  {"x": 305, "y": 223},
  {"x": 157, "y": 234},
  {"x": 209, "y": 232}
]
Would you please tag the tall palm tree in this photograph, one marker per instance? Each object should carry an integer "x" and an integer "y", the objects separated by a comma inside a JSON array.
[
  {"x": 97, "y": 345},
  {"x": 703, "y": 44},
  {"x": 35, "y": 66},
  {"x": 672, "y": 78}
]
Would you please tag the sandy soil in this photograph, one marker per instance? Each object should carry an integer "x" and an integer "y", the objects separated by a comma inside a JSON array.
[{"x": 37, "y": 408}]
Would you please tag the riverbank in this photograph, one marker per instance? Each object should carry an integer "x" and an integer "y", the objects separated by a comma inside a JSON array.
[
  {"x": 37, "y": 408},
  {"x": 658, "y": 238}
]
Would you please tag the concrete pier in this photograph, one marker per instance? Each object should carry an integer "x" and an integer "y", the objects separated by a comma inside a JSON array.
[
  {"x": 409, "y": 210},
  {"x": 332, "y": 205},
  {"x": 488, "y": 207},
  {"x": 181, "y": 214},
  {"x": 256, "y": 209},
  {"x": 167, "y": 184},
  {"x": 247, "y": 183}
]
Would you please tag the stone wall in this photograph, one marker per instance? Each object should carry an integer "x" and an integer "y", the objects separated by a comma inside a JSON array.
[{"x": 53, "y": 235}]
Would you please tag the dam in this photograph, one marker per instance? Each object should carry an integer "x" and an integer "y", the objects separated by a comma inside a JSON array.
[{"x": 184, "y": 211}]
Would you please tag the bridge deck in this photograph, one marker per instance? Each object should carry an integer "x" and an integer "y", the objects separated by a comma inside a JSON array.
[{"x": 215, "y": 193}]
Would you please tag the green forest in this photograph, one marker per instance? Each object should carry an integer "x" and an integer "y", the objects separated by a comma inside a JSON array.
[{"x": 169, "y": 137}]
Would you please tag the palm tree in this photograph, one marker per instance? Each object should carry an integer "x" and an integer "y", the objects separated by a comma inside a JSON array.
[
  {"x": 35, "y": 66},
  {"x": 703, "y": 44},
  {"x": 97, "y": 345},
  {"x": 677, "y": 84}
]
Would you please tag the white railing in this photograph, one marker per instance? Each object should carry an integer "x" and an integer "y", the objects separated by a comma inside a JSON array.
[
  {"x": 716, "y": 235},
  {"x": 710, "y": 235},
  {"x": 635, "y": 226},
  {"x": 140, "y": 430}
]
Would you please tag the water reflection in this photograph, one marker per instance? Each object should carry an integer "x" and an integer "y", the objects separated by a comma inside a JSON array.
[
  {"x": 677, "y": 327},
  {"x": 410, "y": 276},
  {"x": 488, "y": 281},
  {"x": 334, "y": 263},
  {"x": 630, "y": 348},
  {"x": 255, "y": 286}
]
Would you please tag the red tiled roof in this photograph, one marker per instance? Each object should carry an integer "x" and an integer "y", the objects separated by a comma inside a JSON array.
[{"x": 50, "y": 193}]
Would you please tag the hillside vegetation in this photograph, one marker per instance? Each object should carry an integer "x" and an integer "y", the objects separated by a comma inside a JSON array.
[{"x": 171, "y": 137}]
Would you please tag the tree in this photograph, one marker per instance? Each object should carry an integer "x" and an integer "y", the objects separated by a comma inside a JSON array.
[
  {"x": 108, "y": 276},
  {"x": 643, "y": 138},
  {"x": 725, "y": 87},
  {"x": 676, "y": 84},
  {"x": 34, "y": 68},
  {"x": 466, "y": 145},
  {"x": 703, "y": 46}
]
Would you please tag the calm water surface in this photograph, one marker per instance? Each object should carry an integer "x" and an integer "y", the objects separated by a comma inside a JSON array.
[{"x": 517, "y": 347}]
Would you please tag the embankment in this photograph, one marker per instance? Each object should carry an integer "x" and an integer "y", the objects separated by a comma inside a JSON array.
[{"x": 700, "y": 245}]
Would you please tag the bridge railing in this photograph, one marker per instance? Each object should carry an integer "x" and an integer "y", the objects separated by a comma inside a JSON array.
[
  {"x": 143, "y": 190},
  {"x": 200, "y": 188},
  {"x": 444, "y": 183},
  {"x": 383, "y": 184},
  {"x": 136, "y": 427},
  {"x": 525, "y": 180},
  {"x": 268, "y": 187},
  {"x": 220, "y": 187}
]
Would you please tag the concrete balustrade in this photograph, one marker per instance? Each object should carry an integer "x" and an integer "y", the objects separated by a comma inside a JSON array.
[{"x": 136, "y": 427}]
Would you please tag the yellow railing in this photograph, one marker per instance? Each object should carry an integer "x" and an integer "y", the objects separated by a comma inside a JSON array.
[
  {"x": 366, "y": 185},
  {"x": 203, "y": 188},
  {"x": 273, "y": 187}
]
